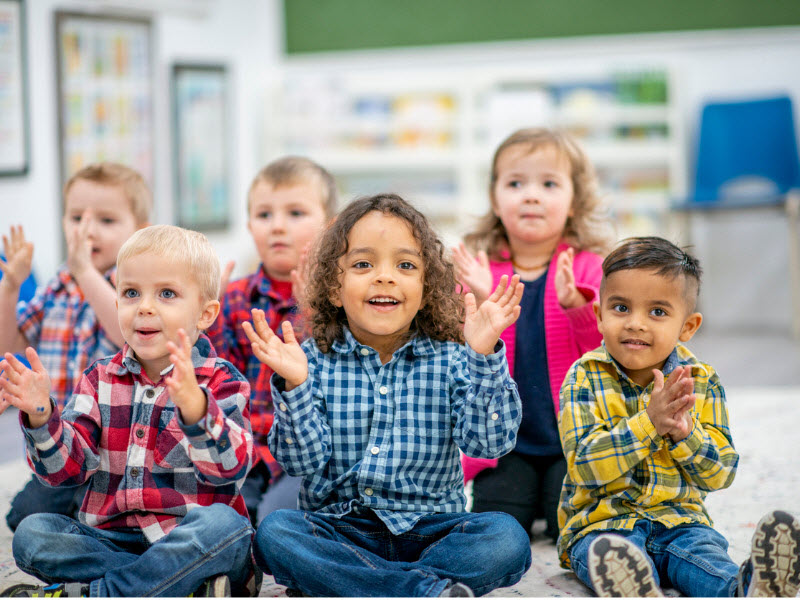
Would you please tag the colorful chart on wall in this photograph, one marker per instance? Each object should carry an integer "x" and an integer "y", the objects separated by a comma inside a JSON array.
[{"x": 13, "y": 100}]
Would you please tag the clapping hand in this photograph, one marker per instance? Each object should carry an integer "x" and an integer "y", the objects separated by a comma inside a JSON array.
[
  {"x": 27, "y": 389},
  {"x": 19, "y": 254},
  {"x": 483, "y": 325},
  {"x": 566, "y": 290},
  {"x": 182, "y": 385},
  {"x": 285, "y": 357},
  {"x": 671, "y": 402},
  {"x": 473, "y": 272}
]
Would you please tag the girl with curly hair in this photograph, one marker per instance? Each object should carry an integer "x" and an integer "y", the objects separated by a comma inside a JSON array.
[
  {"x": 546, "y": 224},
  {"x": 372, "y": 410}
]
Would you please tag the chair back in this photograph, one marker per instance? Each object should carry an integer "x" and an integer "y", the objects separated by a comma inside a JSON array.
[{"x": 746, "y": 150}]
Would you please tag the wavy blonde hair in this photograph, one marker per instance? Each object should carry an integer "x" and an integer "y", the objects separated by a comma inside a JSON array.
[
  {"x": 589, "y": 227},
  {"x": 130, "y": 181}
]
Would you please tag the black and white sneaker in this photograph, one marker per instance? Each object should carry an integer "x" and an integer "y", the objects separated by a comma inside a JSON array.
[
  {"x": 618, "y": 568},
  {"x": 457, "y": 590},
  {"x": 775, "y": 557},
  {"x": 218, "y": 586}
]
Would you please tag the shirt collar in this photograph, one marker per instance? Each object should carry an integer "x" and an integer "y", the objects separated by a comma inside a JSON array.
[
  {"x": 419, "y": 345},
  {"x": 203, "y": 360},
  {"x": 260, "y": 285}
]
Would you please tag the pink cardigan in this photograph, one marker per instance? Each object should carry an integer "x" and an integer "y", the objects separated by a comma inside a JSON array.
[{"x": 568, "y": 333}]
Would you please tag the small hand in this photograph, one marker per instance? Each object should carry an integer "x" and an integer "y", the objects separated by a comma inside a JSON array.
[
  {"x": 670, "y": 402},
  {"x": 27, "y": 389},
  {"x": 299, "y": 276},
  {"x": 79, "y": 247},
  {"x": 19, "y": 254},
  {"x": 286, "y": 357},
  {"x": 225, "y": 278},
  {"x": 182, "y": 385},
  {"x": 473, "y": 271},
  {"x": 483, "y": 326},
  {"x": 566, "y": 290}
]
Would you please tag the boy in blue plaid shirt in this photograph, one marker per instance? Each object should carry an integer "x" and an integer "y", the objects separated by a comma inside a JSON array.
[
  {"x": 644, "y": 427},
  {"x": 373, "y": 409}
]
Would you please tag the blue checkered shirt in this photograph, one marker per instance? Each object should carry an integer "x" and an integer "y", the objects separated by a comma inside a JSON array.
[{"x": 387, "y": 437}]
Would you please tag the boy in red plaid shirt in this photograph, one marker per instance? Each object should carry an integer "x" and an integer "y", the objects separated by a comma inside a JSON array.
[
  {"x": 160, "y": 430},
  {"x": 289, "y": 202}
]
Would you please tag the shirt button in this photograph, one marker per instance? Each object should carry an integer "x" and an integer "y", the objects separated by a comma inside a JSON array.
[
  {"x": 495, "y": 416},
  {"x": 140, "y": 433},
  {"x": 223, "y": 443},
  {"x": 134, "y": 472},
  {"x": 383, "y": 389},
  {"x": 289, "y": 441},
  {"x": 282, "y": 406},
  {"x": 375, "y": 450},
  {"x": 150, "y": 393},
  {"x": 368, "y": 491},
  {"x": 364, "y": 352}
]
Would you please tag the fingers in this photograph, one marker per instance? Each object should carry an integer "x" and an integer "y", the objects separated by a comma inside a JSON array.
[
  {"x": 483, "y": 259},
  {"x": 288, "y": 333},
  {"x": 658, "y": 380},
  {"x": 34, "y": 360},
  {"x": 260, "y": 324},
  {"x": 511, "y": 293},
  {"x": 470, "y": 305},
  {"x": 255, "y": 339},
  {"x": 501, "y": 287}
]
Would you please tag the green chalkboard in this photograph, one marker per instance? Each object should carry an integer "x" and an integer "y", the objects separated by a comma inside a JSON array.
[{"x": 330, "y": 25}]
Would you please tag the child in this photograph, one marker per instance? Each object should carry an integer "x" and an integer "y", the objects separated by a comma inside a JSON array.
[
  {"x": 644, "y": 426},
  {"x": 161, "y": 432},
  {"x": 289, "y": 202},
  {"x": 372, "y": 413},
  {"x": 72, "y": 321},
  {"x": 545, "y": 224}
]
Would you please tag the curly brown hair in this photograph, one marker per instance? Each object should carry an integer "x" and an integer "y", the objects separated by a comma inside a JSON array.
[
  {"x": 589, "y": 228},
  {"x": 441, "y": 315}
]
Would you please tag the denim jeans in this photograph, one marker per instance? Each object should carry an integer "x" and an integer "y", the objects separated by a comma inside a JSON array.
[
  {"x": 691, "y": 558},
  {"x": 37, "y": 497},
  {"x": 356, "y": 555},
  {"x": 210, "y": 540}
]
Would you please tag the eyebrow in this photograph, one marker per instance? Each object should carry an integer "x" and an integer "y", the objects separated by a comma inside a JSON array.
[
  {"x": 623, "y": 299},
  {"x": 369, "y": 250}
]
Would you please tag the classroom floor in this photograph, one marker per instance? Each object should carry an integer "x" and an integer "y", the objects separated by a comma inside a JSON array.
[{"x": 764, "y": 422}]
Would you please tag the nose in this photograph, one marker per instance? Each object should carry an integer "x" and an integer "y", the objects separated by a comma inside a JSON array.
[
  {"x": 634, "y": 322},
  {"x": 89, "y": 221},
  {"x": 145, "y": 306},
  {"x": 384, "y": 275},
  {"x": 278, "y": 222}
]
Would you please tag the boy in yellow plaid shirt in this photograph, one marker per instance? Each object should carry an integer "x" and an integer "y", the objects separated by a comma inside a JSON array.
[{"x": 644, "y": 428}]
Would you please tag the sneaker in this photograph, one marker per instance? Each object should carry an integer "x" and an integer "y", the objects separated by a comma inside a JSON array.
[
  {"x": 457, "y": 590},
  {"x": 218, "y": 586},
  {"x": 54, "y": 590},
  {"x": 775, "y": 556},
  {"x": 618, "y": 568}
]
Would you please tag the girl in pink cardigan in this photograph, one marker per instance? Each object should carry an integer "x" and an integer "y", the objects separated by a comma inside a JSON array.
[{"x": 547, "y": 224}]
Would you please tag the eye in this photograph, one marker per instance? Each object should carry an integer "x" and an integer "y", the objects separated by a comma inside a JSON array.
[
  {"x": 264, "y": 214},
  {"x": 76, "y": 218},
  {"x": 550, "y": 184},
  {"x": 297, "y": 213},
  {"x": 620, "y": 308},
  {"x": 168, "y": 294},
  {"x": 107, "y": 221},
  {"x": 406, "y": 265},
  {"x": 658, "y": 312},
  {"x": 361, "y": 264},
  {"x": 130, "y": 293},
  {"x": 515, "y": 183}
]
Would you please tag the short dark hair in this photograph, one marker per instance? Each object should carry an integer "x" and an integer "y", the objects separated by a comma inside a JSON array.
[{"x": 657, "y": 254}]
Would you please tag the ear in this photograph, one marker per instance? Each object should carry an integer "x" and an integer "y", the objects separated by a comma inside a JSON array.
[
  {"x": 208, "y": 314},
  {"x": 690, "y": 326},
  {"x": 599, "y": 315}
]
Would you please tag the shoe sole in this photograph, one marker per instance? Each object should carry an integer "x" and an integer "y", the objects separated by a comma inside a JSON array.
[
  {"x": 618, "y": 569},
  {"x": 221, "y": 587},
  {"x": 776, "y": 564}
]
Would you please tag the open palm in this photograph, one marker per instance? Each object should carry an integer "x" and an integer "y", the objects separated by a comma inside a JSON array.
[
  {"x": 285, "y": 357},
  {"x": 19, "y": 256},
  {"x": 27, "y": 389},
  {"x": 483, "y": 325}
]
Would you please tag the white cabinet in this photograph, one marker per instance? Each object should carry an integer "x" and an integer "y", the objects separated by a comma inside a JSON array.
[{"x": 430, "y": 136}]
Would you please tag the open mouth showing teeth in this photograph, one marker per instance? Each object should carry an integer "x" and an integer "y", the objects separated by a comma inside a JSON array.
[{"x": 383, "y": 301}]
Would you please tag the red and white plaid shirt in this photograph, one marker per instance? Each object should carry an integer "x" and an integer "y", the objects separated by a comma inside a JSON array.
[{"x": 147, "y": 468}]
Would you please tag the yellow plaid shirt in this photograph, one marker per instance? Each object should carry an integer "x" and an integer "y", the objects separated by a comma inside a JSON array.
[{"x": 619, "y": 469}]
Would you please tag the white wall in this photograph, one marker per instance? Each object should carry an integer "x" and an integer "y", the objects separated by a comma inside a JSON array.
[{"x": 246, "y": 35}]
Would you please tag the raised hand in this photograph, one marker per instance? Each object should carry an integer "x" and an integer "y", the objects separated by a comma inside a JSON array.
[
  {"x": 19, "y": 256},
  {"x": 566, "y": 290},
  {"x": 473, "y": 271},
  {"x": 670, "y": 403},
  {"x": 285, "y": 357},
  {"x": 299, "y": 276},
  {"x": 483, "y": 325},
  {"x": 182, "y": 385},
  {"x": 79, "y": 246},
  {"x": 27, "y": 389}
]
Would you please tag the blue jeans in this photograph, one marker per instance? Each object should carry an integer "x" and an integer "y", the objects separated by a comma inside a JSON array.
[
  {"x": 692, "y": 558},
  {"x": 356, "y": 555},
  {"x": 210, "y": 540},
  {"x": 37, "y": 497}
]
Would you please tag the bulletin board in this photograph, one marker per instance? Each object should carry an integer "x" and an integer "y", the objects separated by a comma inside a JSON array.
[
  {"x": 14, "y": 140},
  {"x": 330, "y": 25},
  {"x": 105, "y": 91}
]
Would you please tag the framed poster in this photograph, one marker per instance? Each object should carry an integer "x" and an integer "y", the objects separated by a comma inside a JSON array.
[
  {"x": 14, "y": 146},
  {"x": 105, "y": 91},
  {"x": 200, "y": 146}
]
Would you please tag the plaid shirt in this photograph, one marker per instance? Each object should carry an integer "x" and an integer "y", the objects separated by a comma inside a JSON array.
[
  {"x": 147, "y": 468},
  {"x": 63, "y": 328},
  {"x": 232, "y": 344},
  {"x": 619, "y": 469},
  {"x": 386, "y": 437}
]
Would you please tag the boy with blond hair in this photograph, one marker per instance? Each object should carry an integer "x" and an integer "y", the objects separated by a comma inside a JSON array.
[
  {"x": 644, "y": 427},
  {"x": 289, "y": 202},
  {"x": 161, "y": 432},
  {"x": 72, "y": 321}
]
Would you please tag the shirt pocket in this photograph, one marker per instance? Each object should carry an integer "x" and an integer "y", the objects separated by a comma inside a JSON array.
[
  {"x": 172, "y": 446},
  {"x": 424, "y": 412}
]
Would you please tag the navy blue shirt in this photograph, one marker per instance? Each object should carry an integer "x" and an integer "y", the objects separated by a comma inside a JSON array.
[{"x": 538, "y": 432}]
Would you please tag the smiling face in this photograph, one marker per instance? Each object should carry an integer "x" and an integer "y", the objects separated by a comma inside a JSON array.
[
  {"x": 382, "y": 281},
  {"x": 642, "y": 315},
  {"x": 532, "y": 194},
  {"x": 155, "y": 297},
  {"x": 110, "y": 216},
  {"x": 283, "y": 221}
]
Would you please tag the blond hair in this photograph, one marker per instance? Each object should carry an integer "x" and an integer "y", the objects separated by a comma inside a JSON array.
[
  {"x": 128, "y": 180},
  {"x": 295, "y": 170},
  {"x": 589, "y": 227},
  {"x": 190, "y": 248}
]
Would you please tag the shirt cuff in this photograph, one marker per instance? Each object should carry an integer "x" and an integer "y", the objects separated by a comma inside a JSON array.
[
  {"x": 293, "y": 404},
  {"x": 685, "y": 450},
  {"x": 642, "y": 427},
  {"x": 486, "y": 364}
]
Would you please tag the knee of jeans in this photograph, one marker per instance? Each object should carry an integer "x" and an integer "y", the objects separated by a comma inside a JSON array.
[
  {"x": 216, "y": 522},
  {"x": 29, "y": 537},
  {"x": 510, "y": 542},
  {"x": 276, "y": 535}
]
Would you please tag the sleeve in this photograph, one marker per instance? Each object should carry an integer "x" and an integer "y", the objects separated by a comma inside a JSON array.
[
  {"x": 300, "y": 438},
  {"x": 486, "y": 407},
  {"x": 31, "y": 314},
  {"x": 707, "y": 455},
  {"x": 221, "y": 443},
  {"x": 64, "y": 451},
  {"x": 599, "y": 452}
]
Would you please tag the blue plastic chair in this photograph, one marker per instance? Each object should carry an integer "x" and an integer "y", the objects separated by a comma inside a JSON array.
[
  {"x": 747, "y": 159},
  {"x": 26, "y": 292}
]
